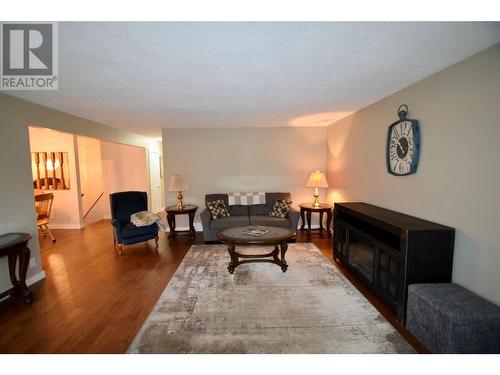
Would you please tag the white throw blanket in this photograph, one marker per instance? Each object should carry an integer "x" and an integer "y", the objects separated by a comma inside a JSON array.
[
  {"x": 145, "y": 218},
  {"x": 246, "y": 199}
]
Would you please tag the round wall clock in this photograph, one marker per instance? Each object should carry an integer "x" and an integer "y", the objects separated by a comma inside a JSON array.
[{"x": 403, "y": 145}]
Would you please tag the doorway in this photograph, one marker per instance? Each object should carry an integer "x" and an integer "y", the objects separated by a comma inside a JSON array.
[
  {"x": 80, "y": 172},
  {"x": 155, "y": 179}
]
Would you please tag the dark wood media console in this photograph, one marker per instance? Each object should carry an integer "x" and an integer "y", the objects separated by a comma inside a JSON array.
[{"x": 388, "y": 250}]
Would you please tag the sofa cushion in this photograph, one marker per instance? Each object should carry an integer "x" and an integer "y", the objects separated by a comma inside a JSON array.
[
  {"x": 269, "y": 220},
  {"x": 218, "y": 209},
  {"x": 229, "y": 222},
  {"x": 130, "y": 230},
  {"x": 280, "y": 208},
  {"x": 238, "y": 210},
  {"x": 264, "y": 209},
  {"x": 258, "y": 209}
]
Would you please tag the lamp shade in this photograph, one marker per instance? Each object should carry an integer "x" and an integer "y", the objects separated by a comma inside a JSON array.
[
  {"x": 178, "y": 183},
  {"x": 317, "y": 179}
]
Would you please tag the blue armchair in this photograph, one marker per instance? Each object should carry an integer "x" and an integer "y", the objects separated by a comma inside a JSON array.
[{"x": 123, "y": 205}]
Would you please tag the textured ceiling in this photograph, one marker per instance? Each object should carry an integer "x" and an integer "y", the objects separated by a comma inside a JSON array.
[{"x": 142, "y": 77}]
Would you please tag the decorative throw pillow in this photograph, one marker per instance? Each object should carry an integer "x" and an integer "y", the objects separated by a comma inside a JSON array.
[
  {"x": 280, "y": 208},
  {"x": 218, "y": 209}
]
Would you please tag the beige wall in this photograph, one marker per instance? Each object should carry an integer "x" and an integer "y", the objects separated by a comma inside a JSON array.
[
  {"x": 66, "y": 205},
  {"x": 124, "y": 168},
  {"x": 16, "y": 187},
  {"x": 250, "y": 159},
  {"x": 458, "y": 179},
  {"x": 17, "y": 203}
]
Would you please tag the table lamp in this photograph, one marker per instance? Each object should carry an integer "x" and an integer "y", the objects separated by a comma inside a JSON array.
[
  {"x": 178, "y": 183},
  {"x": 317, "y": 180}
]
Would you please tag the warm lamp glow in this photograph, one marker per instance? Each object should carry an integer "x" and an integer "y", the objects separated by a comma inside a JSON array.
[
  {"x": 178, "y": 183},
  {"x": 318, "y": 119},
  {"x": 317, "y": 180},
  {"x": 56, "y": 165}
]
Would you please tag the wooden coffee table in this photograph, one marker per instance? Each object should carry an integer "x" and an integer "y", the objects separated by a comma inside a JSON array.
[{"x": 275, "y": 236}]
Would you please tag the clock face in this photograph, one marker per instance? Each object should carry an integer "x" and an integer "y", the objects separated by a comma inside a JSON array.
[{"x": 403, "y": 147}]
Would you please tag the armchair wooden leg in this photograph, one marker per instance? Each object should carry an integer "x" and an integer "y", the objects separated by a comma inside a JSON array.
[
  {"x": 120, "y": 249},
  {"x": 156, "y": 241}
]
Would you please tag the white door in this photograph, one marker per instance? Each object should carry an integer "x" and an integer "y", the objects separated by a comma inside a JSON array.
[{"x": 155, "y": 180}]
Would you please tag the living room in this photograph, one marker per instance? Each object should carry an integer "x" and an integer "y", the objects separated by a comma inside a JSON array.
[{"x": 400, "y": 116}]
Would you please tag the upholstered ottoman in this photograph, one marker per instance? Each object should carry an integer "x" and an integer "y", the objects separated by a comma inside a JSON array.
[{"x": 448, "y": 318}]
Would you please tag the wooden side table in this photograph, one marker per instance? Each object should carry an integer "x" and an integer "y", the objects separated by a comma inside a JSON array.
[
  {"x": 306, "y": 209},
  {"x": 14, "y": 245},
  {"x": 172, "y": 211}
]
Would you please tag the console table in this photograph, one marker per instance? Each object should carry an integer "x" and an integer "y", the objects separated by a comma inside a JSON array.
[
  {"x": 14, "y": 245},
  {"x": 388, "y": 250}
]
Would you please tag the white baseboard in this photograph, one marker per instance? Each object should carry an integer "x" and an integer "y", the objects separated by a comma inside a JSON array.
[
  {"x": 33, "y": 279},
  {"x": 29, "y": 281},
  {"x": 66, "y": 226}
]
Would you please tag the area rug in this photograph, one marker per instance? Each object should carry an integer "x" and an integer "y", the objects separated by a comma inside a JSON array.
[{"x": 312, "y": 308}]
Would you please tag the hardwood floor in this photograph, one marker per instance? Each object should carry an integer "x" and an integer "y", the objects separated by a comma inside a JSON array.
[{"x": 95, "y": 301}]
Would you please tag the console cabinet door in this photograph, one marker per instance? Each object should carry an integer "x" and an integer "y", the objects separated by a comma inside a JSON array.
[
  {"x": 341, "y": 238},
  {"x": 388, "y": 274}
]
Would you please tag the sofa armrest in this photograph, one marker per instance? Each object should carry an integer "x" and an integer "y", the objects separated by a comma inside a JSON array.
[
  {"x": 206, "y": 218},
  {"x": 293, "y": 215}
]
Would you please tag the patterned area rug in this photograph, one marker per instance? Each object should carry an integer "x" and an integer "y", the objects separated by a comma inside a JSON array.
[{"x": 312, "y": 308}]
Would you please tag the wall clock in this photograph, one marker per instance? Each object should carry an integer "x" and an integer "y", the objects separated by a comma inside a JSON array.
[{"x": 403, "y": 145}]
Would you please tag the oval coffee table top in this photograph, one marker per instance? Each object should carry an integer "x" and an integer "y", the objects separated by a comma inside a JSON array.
[{"x": 273, "y": 235}]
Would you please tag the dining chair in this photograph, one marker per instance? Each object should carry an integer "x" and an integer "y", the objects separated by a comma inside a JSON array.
[{"x": 43, "y": 205}]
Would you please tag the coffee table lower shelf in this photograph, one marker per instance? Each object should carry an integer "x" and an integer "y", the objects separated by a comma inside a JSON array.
[
  {"x": 258, "y": 258},
  {"x": 275, "y": 236}
]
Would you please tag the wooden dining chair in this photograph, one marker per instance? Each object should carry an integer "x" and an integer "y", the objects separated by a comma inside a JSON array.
[{"x": 43, "y": 205}]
